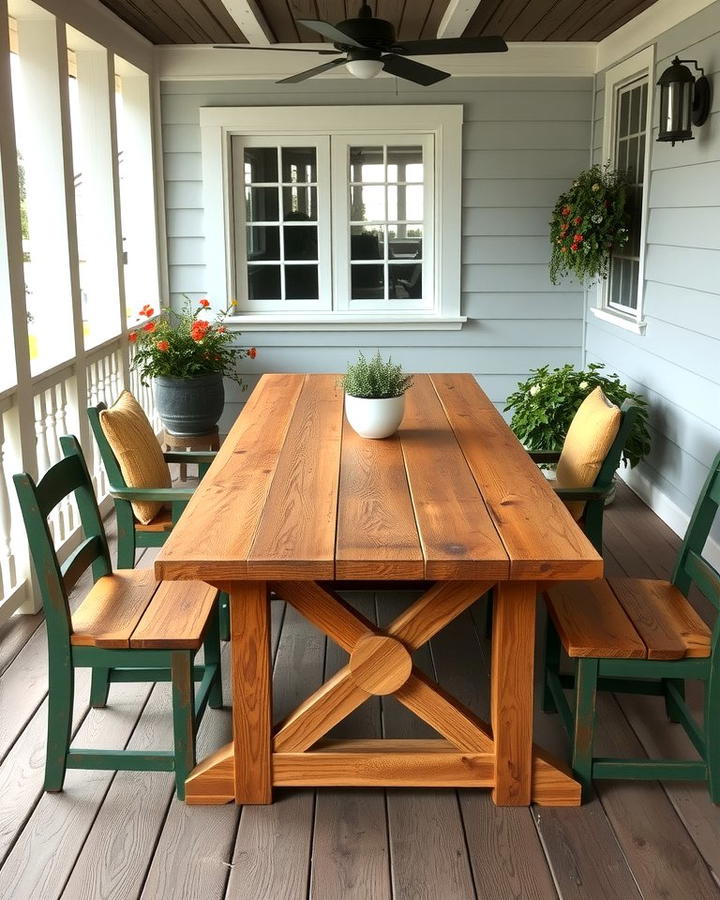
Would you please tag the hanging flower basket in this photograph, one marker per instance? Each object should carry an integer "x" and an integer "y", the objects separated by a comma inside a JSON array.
[{"x": 589, "y": 221}]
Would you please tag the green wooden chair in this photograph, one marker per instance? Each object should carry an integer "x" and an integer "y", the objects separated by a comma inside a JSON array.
[
  {"x": 129, "y": 628},
  {"x": 132, "y": 534},
  {"x": 595, "y": 496},
  {"x": 641, "y": 636}
]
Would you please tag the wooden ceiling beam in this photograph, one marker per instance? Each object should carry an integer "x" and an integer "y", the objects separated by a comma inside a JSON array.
[
  {"x": 250, "y": 20},
  {"x": 457, "y": 18}
]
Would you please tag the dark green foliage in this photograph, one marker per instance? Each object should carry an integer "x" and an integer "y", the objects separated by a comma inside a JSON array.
[
  {"x": 375, "y": 378},
  {"x": 544, "y": 405}
]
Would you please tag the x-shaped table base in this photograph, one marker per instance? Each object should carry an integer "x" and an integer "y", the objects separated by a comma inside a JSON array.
[{"x": 469, "y": 754}]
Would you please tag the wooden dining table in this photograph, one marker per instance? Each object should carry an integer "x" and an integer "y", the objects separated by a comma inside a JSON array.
[{"x": 296, "y": 504}]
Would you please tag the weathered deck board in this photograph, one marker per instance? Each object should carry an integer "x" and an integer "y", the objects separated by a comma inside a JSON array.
[{"x": 124, "y": 836}]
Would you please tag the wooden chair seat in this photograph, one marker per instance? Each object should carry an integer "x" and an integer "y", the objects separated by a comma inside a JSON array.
[
  {"x": 626, "y": 618},
  {"x": 130, "y": 609},
  {"x": 161, "y": 523}
]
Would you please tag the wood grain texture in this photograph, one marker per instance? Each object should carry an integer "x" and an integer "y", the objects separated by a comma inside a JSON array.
[
  {"x": 457, "y": 534},
  {"x": 591, "y": 622},
  {"x": 176, "y": 617},
  {"x": 511, "y": 686},
  {"x": 376, "y": 532},
  {"x": 251, "y": 690},
  {"x": 540, "y": 537},
  {"x": 380, "y": 664},
  {"x": 214, "y": 535},
  {"x": 665, "y": 620},
  {"x": 296, "y": 534},
  {"x": 212, "y": 781},
  {"x": 113, "y": 608}
]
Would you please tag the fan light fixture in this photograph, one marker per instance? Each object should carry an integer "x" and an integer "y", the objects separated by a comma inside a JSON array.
[
  {"x": 684, "y": 101},
  {"x": 364, "y": 68}
]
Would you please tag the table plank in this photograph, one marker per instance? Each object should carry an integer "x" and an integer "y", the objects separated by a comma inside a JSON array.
[
  {"x": 296, "y": 534},
  {"x": 541, "y": 537},
  {"x": 458, "y": 537},
  {"x": 376, "y": 533},
  {"x": 214, "y": 535}
]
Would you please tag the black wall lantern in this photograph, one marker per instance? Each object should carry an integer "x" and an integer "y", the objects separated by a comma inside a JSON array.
[{"x": 684, "y": 101}]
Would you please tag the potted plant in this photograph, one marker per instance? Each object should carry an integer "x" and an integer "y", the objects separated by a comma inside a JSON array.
[
  {"x": 186, "y": 356},
  {"x": 544, "y": 405},
  {"x": 589, "y": 221},
  {"x": 375, "y": 395}
]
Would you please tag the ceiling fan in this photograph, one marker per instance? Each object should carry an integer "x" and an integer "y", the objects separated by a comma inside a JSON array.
[{"x": 367, "y": 46}]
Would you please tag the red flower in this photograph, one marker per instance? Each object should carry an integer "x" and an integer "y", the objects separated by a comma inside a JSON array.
[
  {"x": 163, "y": 346},
  {"x": 579, "y": 238},
  {"x": 149, "y": 326},
  {"x": 577, "y": 220},
  {"x": 221, "y": 329},
  {"x": 132, "y": 337},
  {"x": 566, "y": 210},
  {"x": 147, "y": 310},
  {"x": 199, "y": 329},
  {"x": 252, "y": 353},
  {"x": 204, "y": 302}
]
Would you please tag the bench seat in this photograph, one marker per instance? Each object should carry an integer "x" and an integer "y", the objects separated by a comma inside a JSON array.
[
  {"x": 130, "y": 609},
  {"x": 626, "y": 618}
]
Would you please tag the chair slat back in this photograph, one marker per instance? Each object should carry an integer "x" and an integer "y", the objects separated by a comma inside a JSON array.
[
  {"x": 611, "y": 463},
  {"x": 691, "y": 567},
  {"x": 69, "y": 475},
  {"x": 109, "y": 459}
]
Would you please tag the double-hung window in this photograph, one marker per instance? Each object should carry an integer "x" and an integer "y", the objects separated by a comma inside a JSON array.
[
  {"x": 351, "y": 216},
  {"x": 627, "y": 135}
]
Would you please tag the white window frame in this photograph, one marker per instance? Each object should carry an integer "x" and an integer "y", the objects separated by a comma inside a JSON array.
[
  {"x": 639, "y": 65},
  {"x": 443, "y": 123}
]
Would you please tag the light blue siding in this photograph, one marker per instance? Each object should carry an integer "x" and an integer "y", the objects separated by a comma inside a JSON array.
[
  {"x": 676, "y": 363},
  {"x": 512, "y": 174}
]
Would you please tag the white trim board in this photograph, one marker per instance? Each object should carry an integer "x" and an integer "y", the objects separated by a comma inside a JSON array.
[{"x": 666, "y": 509}]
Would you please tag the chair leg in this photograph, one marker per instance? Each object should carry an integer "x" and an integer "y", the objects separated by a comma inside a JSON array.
[
  {"x": 671, "y": 710},
  {"x": 551, "y": 664},
  {"x": 99, "y": 687},
  {"x": 61, "y": 689},
  {"x": 183, "y": 703},
  {"x": 211, "y": 649},
  {"x": 224, "y": 613},
  {"x": 585, "y": 694},
  {"x": 126, "y": 535},
  {"x": 712, "y": 731}
]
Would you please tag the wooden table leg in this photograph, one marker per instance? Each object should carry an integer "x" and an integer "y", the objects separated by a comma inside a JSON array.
[
  {"x": 511, "y": 686},
  {"x": 251, "y": 691}
]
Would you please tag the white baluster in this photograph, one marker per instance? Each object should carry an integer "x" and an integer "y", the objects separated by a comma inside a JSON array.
[
  {"x": 8, "y": 574},
  {"x": 41, "y": 444}
]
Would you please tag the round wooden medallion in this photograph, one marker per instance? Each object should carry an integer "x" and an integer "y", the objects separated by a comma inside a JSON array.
[{"x": 379, "y": 664}]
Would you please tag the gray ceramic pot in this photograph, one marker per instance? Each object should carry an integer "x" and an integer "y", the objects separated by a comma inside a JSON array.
[{"x": 189, "y": 405}]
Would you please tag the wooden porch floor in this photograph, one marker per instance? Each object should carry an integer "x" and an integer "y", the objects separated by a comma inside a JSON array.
[{"x": 124, "y": 835}]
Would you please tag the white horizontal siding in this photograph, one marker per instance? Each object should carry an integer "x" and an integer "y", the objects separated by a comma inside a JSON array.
[
  {"x": 512, "y": 175},
  {"x": 676, "y": 363}
]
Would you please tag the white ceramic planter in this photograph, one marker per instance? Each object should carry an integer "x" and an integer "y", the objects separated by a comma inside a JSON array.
[{"x": 373, "y": 418}]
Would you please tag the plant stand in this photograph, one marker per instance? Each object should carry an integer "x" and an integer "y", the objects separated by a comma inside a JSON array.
[{"x": 208, "y": 441}]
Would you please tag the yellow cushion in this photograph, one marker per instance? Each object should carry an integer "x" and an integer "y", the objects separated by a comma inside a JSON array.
[
  {"x": 137, "y": 451},
  {"x": 589, "y": 438}
]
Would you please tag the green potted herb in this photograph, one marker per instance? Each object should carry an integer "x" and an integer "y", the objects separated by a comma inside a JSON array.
[
  {"x": 375, "y": 395},
  {"x": 589, "y": 221},
  {"x": 544, "y": 405},
  {"x": 187, "y": 355}
]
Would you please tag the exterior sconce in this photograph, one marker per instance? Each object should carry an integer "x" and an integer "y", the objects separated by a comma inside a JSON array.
[{"x": 684, "y": 101}]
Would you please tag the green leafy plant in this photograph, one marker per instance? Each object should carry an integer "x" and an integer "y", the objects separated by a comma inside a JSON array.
[
  {"x": 589, "y": 221},
  {"x": 375, "y": 378},
  {"x": 184, "y": 345},
  {"x": 544, "y": 405}
]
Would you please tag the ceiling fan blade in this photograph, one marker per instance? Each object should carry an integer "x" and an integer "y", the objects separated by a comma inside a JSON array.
[
  {"x": 331, "y": 32},
  {"x": 274, "y": 49},
  {"x": 309, "y": 73},
  {"x": 488, "y": 44},
  {"x": 411, "y": 70}
]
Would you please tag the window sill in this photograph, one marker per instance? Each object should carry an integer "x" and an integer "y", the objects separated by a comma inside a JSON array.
[
  {"x": 633, "y": 325},
  {"x": 345, "y": 322}
]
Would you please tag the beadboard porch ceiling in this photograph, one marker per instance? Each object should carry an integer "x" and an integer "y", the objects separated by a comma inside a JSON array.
[{"x": 275, "y": 21}]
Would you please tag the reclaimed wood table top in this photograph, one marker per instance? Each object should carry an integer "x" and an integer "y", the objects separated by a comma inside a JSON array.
[{"x": 295, "y": 494}]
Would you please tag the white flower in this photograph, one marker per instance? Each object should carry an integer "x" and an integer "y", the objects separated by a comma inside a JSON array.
[
  {"x": 597, "y": 219},
  {"x": 583, "y": 385},
  {"x": 595, "y": 187},
  {"x": 534, "y": 390}
]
